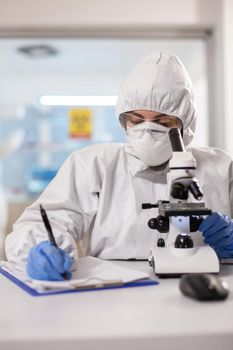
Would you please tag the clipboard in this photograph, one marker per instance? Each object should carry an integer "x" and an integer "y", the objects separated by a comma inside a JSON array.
[{"x": 97, "y": 287}]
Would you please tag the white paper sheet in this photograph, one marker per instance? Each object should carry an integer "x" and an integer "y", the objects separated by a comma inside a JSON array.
[{"x": 90, "y": 272}]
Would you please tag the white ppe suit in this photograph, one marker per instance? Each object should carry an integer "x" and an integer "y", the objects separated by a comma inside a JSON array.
[{"x": 99, "y": 189}]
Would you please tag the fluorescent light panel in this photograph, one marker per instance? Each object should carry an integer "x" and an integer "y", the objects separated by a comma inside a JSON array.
[{"x": 52, "y": 100}]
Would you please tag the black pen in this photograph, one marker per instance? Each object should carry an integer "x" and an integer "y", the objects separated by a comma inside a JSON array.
[{"x": 50, "y": 233}]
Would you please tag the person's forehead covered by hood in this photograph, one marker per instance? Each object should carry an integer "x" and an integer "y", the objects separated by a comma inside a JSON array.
[{"x": 160, "y": 83}]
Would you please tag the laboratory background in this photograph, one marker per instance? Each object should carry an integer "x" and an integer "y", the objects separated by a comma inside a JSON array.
[{"x": 62, "y": 64}]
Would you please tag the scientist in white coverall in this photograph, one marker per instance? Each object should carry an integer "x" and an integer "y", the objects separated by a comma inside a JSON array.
[{"x": 99, "y": 189}]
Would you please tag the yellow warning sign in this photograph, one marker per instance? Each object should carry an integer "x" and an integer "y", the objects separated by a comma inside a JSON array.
[{"x": 80, "y": 123}]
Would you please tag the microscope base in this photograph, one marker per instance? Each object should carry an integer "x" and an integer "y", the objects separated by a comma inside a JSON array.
[{"x": 170, "y": 261}]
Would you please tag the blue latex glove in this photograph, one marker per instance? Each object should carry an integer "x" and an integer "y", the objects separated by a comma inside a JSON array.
[
  {"x": 47, "y": 262},
  {"x": 217, "y": 230}
]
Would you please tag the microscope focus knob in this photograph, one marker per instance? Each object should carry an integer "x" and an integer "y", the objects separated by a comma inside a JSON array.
[
  {"x": 183, "y": 240},
  {"x": 195, "y": 221},
  {"x": 161, "y": 223},
  {"x": 160, "y": 242}
]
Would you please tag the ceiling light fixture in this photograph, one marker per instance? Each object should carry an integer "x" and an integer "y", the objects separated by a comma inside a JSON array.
[
  {"x": 37, "y": 51},
  {"x": 51, "y": 100}
]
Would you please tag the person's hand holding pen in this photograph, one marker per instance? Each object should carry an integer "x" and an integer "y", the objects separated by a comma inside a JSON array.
[{"x": 46, "y": 261}]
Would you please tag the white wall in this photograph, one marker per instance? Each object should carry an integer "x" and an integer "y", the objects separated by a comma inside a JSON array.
[
  {"x": 228, "y": 73},
  {"x": 100, "y": 13}
]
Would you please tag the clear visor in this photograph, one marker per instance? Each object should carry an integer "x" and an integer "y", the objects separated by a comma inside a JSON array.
[{"x": 130, "y": 119}]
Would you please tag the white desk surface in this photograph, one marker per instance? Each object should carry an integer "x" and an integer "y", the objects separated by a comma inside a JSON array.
[{"x": 151, "y": 317}]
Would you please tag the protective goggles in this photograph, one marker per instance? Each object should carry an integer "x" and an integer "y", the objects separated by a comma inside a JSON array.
[{"x": 134, "y": 118}]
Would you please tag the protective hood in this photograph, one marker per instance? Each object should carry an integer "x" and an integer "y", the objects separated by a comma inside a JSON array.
[{"x": 160, "y": 83}]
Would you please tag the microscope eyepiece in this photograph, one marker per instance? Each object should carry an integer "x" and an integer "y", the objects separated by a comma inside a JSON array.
[{"x": 176, "y": 140}]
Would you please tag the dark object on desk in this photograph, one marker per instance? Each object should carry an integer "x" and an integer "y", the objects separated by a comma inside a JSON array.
[{"x": 204, "y": 286}]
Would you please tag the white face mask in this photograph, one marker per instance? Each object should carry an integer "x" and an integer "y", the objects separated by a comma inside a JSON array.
[{"x": 150, "y": 143}]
